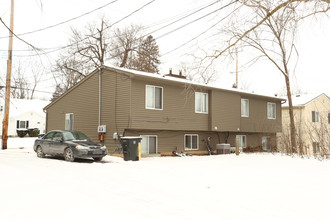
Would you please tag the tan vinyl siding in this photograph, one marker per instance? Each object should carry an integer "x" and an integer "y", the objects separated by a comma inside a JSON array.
[
  {"x": 115, "y": 104},
  {"x": 178, "y": 111},
  {"x": 226, "y": 111},
  {"x": 169, "y": 141},
  {"x": 83, "y": 103},
  {"x": 257, "y": 120}
]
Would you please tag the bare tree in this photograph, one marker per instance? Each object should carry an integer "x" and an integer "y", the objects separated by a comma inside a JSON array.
[
  {"x": 20, "y": 87},
  {"x": 91, "y": 47},
  {"x": 272, "y": 33},
  {"x": 125, "y": 45}
]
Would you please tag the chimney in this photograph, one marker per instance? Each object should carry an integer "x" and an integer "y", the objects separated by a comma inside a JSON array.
[{"x": 176, "y": 76}]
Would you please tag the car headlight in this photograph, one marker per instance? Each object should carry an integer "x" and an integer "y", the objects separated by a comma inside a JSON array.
[
  {"x": 103, "y": 148},
  {"x": 81, "y": 147}
]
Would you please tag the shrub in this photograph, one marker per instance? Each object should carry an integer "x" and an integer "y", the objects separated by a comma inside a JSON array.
[
  {"x": 34, "y": 132},
  {"x": 22, "y": 132}
]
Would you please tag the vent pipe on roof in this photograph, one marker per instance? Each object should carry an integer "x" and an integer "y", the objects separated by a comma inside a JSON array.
[{"x": 170, "y": 71}]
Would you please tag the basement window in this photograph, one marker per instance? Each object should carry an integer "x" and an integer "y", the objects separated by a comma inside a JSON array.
[{"x": 191, "y": 141}]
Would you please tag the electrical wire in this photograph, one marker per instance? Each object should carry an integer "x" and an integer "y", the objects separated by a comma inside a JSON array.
[
  {"x": 69, "y": 45},
  {"x": 63, "y": 22},
  {"x": 194, "y": 38}
]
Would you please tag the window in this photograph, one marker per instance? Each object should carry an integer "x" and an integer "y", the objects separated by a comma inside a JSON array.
[
  {"x": 265, "y": 143},
  {"x": 69, "y": 121},
  {"x": 154, "y": 97},
  {"x": 315, "y": 116},
  {"x": 191, "y": 142},
  {"x": 271, "y": 110},
  {"x": 49, "y": 136},
  {"x": 316, "y": 147},
  {"x": 22, "y": 124},
  {"x": 201, "y": 102},
  {"x": 244, "y": 108},
  {"x": 241, "y": 141},
  {"x": 149, "y": 144}
]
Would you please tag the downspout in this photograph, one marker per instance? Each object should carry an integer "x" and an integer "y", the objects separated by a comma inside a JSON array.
[{"x": 100, "y": 81}]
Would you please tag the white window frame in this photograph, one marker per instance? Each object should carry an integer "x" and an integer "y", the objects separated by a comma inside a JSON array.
[
  {"x": 191, "y": 135},
  {"x": 68, "y": 118},
  {"x": 148, "y": 136},
  {"x": 154, "y": 101},
  {"x": 245, "y": 112},
  {"x": 26, "y": 124},
  {"x": 268, "y": 110},
  {"x": 204, "y": 97},
  {"x": 316, "y": 116}
]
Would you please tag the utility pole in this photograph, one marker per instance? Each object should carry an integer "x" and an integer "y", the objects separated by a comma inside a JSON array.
[{"x": 8, "y": 79}]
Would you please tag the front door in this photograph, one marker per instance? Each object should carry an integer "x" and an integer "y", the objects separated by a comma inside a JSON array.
[{"x": 148, "y": 144}]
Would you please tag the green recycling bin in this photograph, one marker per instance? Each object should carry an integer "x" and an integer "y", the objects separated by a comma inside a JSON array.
[{"x": 131, "y": 148}]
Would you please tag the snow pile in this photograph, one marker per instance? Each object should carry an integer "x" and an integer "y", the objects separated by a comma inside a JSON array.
[{"x": 249, "y": 186}]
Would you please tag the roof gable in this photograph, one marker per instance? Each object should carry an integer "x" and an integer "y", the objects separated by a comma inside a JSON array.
[{"x": 303, "y": 100}]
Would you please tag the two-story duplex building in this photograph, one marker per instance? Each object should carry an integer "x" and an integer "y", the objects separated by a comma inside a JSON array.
[{"x": 169, "y": 113}]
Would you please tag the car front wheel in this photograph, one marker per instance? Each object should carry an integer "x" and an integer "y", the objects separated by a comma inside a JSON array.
[
  {"x": 68, "y": 155},
  {"x": 40, "y": 153}
]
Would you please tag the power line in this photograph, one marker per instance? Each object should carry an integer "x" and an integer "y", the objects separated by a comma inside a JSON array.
[
  {"x": 194, "y": 12},
  {"x": 194, "y": 38},
  {"x": 16, "y": 35},
  {"x": 63, "y": 22},
  {"x": 14, "y": 87},
  {"x": 197, "y": 19},
  {"x": 69, "y": 45}
]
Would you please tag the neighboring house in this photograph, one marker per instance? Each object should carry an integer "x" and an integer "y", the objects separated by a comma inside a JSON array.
[
  {"x": 169, "y": 112},
  {"x": 24, "y": 114},
  {"x": 312, "y": 120}
]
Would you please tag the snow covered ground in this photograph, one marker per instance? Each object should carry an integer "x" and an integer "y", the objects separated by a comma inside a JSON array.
[{"x": 250, "y": 186}]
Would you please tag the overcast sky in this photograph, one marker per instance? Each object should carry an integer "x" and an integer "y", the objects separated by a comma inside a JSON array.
[{"x": 312, "y": 73}]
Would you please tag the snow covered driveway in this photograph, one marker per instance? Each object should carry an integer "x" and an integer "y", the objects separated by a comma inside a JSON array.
[{"x": 250, "y": 186}]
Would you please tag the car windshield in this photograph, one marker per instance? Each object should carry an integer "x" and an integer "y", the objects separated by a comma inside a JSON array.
[{"x": 74, "y": 135}]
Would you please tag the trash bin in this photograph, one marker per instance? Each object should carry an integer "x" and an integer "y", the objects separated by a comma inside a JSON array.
[
  {"x": 223, "y": 148},
  {"x": 131, "y": 148}
]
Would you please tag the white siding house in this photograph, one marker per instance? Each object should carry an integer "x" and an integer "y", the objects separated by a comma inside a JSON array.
[{"x": 23, "y": 114}]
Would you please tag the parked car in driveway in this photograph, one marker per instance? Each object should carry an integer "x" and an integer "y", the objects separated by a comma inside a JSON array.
[{"x": 70, "y": 145}]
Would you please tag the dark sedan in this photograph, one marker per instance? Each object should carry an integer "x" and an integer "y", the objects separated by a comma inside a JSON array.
[{"x": 70, "y": 144}]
